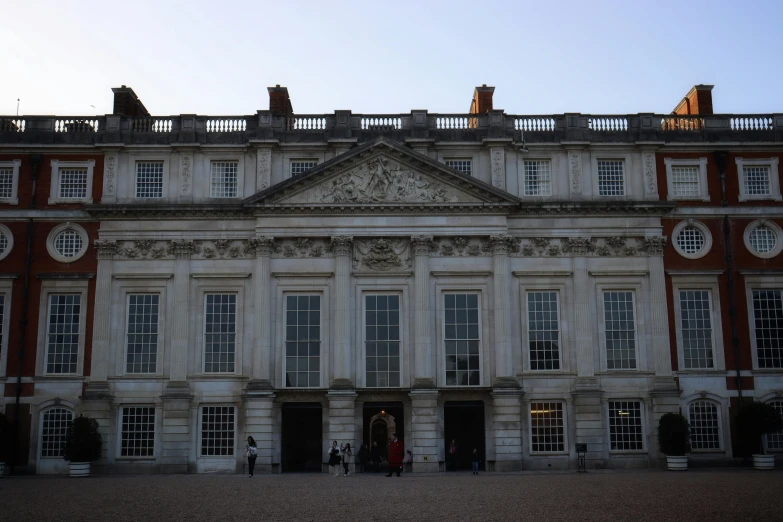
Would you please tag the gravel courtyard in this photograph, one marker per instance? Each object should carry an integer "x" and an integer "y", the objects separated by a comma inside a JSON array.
[{"x": 621, "y": 495}]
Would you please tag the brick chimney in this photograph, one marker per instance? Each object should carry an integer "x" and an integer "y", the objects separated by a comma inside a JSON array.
[
  {"x": 697, "y": 101},
  {"x": 126, "y": 103},
  {"x": 482, "y": 100},
  {"x": 279, "y": 102}
]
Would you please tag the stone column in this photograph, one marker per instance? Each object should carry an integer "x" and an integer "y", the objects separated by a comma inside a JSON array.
[
  {"x": 507, "y": 429},
  {"x": 342, "y": 423},
  {"x": 343, "y": 355},
  {"x": 101, "y": 334},
  {"x": 176, "y": 430},
  {"x": 425, "y": 445},
  {"x": 423, "y": 374},
  {"x": 504, "y": 365},
  {"x": 260, "y": 424},
  {"x": 261, "y": 375}
]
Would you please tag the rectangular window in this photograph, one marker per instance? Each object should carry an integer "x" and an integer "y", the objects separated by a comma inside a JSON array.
[
  {"x": 705, "y": 427},
  {"x": 303, "y": 341},
  {"x": 6, "y": 182},
  {"x": 224, "y": 179},
  {"x": 463, "y": 165},
  {"x": 462, "y": 339},
  {"x": 73, "y": 183},
  {"x": 54, "y": 426},
  {"x": 382, "y": 334},
  {"x": 538, "y": 178},
  {"x": 62, "y": 339},
  {"x": 301, "y": 166},
  {"x": 620, "y": 324},
  {"x": 625, "y": 426},
  {"x": 611, "y": 178},
  {"x": 685, "y": 181},
  {"x": 149, "y": 179},
  {"x": 217, "y": 431},
  {"x": 775, "y": 440},
  {"x": 547, "y": 427},
  {"x": 696, "y": 329},
  {"x": 220, "y": 333},
  {"x": 543, "y": 327},
  {"x": 756, "y": 180},
  {"x": 138, "y": 431},
  {"x": 142, "y": 336},
  {"x": 768, "y": 321}
]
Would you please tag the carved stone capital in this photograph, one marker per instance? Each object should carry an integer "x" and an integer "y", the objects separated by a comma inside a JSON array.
[
  {"x": 502, "y": 244},
  {"x": 654, "y": 245},
  {"x": 107, "y": 249},
  {"x": 578, "y": 246},
  {"x": 422, "y": 245},
  {"x": 342, "y": 245},
  {"x": 182, "y": 249}
]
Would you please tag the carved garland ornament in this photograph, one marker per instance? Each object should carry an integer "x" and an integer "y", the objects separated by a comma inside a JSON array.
[
  {"x": 381, "y": 255},
  {"x": 111, "y": 170}
]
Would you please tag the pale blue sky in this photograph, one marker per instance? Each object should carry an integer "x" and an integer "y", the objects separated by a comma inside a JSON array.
[{"x": 589, "y": 56}]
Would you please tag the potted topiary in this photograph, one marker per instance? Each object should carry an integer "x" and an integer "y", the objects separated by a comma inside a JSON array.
[
  {"x": 82, "y": 445},
  {"x": 6, "y": 439},
  {"x": 753, "y": 422},
  {"x": 674, "y": 439}
]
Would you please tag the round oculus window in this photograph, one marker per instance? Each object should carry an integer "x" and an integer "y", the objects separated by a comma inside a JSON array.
[
  {"x": 690, "y": 240},
  {"x": 67, "y": 242},
  {"x": 6, "y": 241},
  {"x": 762, "y": 239}
]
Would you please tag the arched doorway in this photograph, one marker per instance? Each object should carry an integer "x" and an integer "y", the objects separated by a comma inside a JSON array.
[{"x": 382, "y": 426}]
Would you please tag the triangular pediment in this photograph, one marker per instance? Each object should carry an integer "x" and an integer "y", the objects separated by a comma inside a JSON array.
[{"x": 381, "y": 172}]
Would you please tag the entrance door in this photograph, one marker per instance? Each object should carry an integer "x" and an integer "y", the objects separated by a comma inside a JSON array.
[
  {"x": 302, "y": 439},
  {"x": 464, "y": 423},
  {"x": 380, "y": 421}
]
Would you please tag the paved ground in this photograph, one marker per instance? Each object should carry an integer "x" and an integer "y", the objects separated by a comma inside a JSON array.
[{"x": 637, "y": 495}]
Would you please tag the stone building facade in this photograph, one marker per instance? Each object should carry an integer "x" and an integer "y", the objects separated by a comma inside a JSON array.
[{"x": 492, "y": 279}]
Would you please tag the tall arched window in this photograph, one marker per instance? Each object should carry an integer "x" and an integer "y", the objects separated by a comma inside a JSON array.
[
  {"x": 705, "y": 425},
  {"x": 775, "y": 440},
  {"x": 54, "y": 424}
]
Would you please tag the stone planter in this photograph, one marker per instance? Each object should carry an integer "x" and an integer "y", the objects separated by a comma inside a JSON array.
[
  {"x": 764, "y": 461},
  {"x": 79, "y": 469},
  {"x": 676, "y": 463}
]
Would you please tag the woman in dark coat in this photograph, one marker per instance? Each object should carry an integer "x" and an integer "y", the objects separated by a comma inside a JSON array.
[
  {"x": 396, "y": 454},
  {"x": 363, "y": 456}
]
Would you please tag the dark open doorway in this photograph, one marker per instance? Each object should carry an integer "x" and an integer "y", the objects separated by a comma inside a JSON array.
[
  {"x": 464, "y": 423},
  {"x": 302, "y": 439},
  {"x": 380, "y": 421}
]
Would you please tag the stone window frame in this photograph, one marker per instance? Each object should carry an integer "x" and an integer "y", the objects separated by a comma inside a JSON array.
[
  {"x": 157, "y": 440},
  {"x": 701, "y": 163},
  {"x": 6, "y": 290},
  {"x": 54, "y": 189},
  {"x": 702, "y": 228},
  {"x": 237, "y": 284},
  {"x": 754, "y": 281},
  {"x": 239, "y": 157},
  {"x": 15, "y": 165},
  {"x": 122, "y": 286},
  {"x": 10, "y": 238},
  {"x": 690, "y": 280},
  {"x": 563, "y": 286},
  {"x": 771, "y": 225},
  {"x": 62, "y": 227},
  {"x": 566, "y": 426},
  {"x": 719, "y": 405},
  {"x": 774, "y": 179},
  {"x": 58, "y": 287},
  {"x": 303, "y": 284},
  {"x": 633, "y": 397},
  {"x": 381, "y": 287},
  {"x": 462, "y": 284},
  {"x": 605, "y": 155},
  {"x": 134, "y": 160},
  {"x": 638, "y": 285}
]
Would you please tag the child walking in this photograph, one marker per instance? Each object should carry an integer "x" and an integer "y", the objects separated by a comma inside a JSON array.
[{"x": 475, "y": 460}]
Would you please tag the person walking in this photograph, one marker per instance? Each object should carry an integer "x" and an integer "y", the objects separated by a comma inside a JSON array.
[
  {"x": 363, "y": 457},
  {"x": 452, "y": 454},
  {"x": 408, "y": 462},
  {"x": 396, "y": 452},
  {"x": 334, "y": 458},
  {"x": 375, "y": 455},
  {"x": 251, "y": 452},
  {"x": 347, "y": 457},
  {"x": 475, "y": 461}
]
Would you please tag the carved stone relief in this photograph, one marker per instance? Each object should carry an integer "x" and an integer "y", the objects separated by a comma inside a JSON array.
[
  {"x": 382, "y": 255},
  {"x": 110, "y": 175},
  {"x": 650, "y": 184},
  {"x": 185, "y": 173},
  {"x": 575, "y": 171},
  {"x": 498, "y": 168},
  {"x": 264, "y": 168}
]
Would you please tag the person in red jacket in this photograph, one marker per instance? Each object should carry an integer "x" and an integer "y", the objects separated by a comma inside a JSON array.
[{"x": 396, "y": 454}]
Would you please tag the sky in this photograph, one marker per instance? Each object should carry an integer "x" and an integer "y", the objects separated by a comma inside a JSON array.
[{"x": 547, "y": 57}]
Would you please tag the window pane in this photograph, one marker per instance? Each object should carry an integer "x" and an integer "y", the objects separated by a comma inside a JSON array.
[
  {"x": 690, "y": 240},
  {"x": 138, "y": 432},
  {"x": 756, "y": 179},
  {"x": 73, "y": 183},
  {"x": 705, "y": 431},
  {"x": 462, "y": 311},
  {"x": 543, "y": 330},
  {"x": 220, "y": 333},
  {"x": 768, "y": 319},
  {"x": 301, "y": 166},
  {"x": 6, "y": 182},
  {"x": 382, "y": 341},
  {"x": 775, "y": 440},
  {"x": 696, "y": 329},
  {"x": 625, "y": 426},
  {"x": 217, "y": 430},
  {"x": 620, "y": 328},
  {"x": 547, "y": 427},
  {"x": 142, "y": 333},
  {"x": 762, "y": 239},
  {"x": 611, "y": 178},
  {"x": 303, "y": 341},
  {"x": 538, "y": 178},
  {"x": 149, "y": 179},
  {"x": 224, "y": 179},
  {"x": 54, "y": 425},
  {"x": 463, "y": 165},
  {"x": 62, "y": 340},
  {"x": 685, "y": 181},
  {"x": 68, "y": 243}
]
